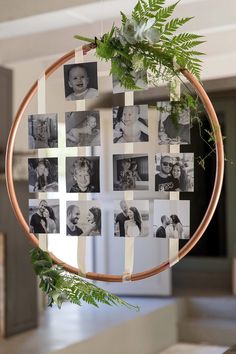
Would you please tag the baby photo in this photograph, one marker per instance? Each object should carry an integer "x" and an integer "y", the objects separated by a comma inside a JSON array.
[
  {"x": 83, "y": 218},
  {"x": 131, "y": 218},
  {"x": 42, "y": 131},
  {"x": 82, "y": 174},
  {"x": 171, "y": 219},
  {"x": 173, "y": 123},
  {"x": 43, "y": 174},
  {"x": 140, "y": 79},
  {"x": 44, "y": 216},
  {"x": 81, "y": 81},
  {"x": 130, "y": 172},
  {"x": 174, "y": 172},
  {"x": 82, "y": 128},
  {"x": 130, "y": 124}
]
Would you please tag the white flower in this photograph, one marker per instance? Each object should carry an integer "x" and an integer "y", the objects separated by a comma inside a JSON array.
[{"x": 133, "y": 32}]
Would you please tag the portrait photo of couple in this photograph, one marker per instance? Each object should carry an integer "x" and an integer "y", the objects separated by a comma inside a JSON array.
[
  {"x": 173, "y": 123},
  {"x": 174, "y": 172},
  {"x": 44, "y": 216},
  {"x": 131, "y": 218},
  {"x": 172, "y": 219},
  {"x": 83, "y": 218},
  {"x": 43, "y": 174}
]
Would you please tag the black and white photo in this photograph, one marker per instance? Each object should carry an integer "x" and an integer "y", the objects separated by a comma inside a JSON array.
[
  {"x": 82, "y": 128},
  {"x": 43, "y": 174},
  {"x": 131, "y": 218},
  {"x": 130, "y": 172},
  {"x": 140, "y": 79},
  {"x": 130, "y": 124},
  {"x": 174, "y": 172},
  {"x": 83, "y": 174},
  {"x": 173, "y": 124},
  {"x": 42, "y": 131},
  {"x": 44, "y": 216},
  {"x": 83, "y": 218},
  {"x": 81, "y": 81},
  {"x": 171, "y": 219}
]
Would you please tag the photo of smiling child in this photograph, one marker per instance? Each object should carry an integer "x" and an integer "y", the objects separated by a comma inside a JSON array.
[
  {"x": 82, "y": 175},
  {"x": 83, "y": 128},
  {"x": 81, "y": 81},
  {"x": 130, "y": 124}
]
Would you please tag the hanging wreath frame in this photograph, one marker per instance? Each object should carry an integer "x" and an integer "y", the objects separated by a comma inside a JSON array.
[{"x": 207, "y": 216}]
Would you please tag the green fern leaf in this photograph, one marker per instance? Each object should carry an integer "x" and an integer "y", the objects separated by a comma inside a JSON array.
[
  {"x": 173, "y": 25},
  {"x": 163, "y": 14}
]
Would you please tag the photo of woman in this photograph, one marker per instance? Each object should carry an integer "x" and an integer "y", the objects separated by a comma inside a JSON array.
[
  {"x": 94, "y": 219},
  {"x": 133, "y": 226}
]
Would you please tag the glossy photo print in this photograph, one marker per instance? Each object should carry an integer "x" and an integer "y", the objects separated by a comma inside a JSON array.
[
  {"x": 171, "y": 219},
  {"x": 81, "y": 81},
  {"x": 82, "y": 174},
  {"x": 173, "y": 124},
  {"x": 84, "y": 218},
  {"x": 130, "y": 172},
  {"x": 131, "y": 218},
  {"x": 130, "y": 124},
  {"x": 82, "y": 128},
  {"x": 44, "y": 216},
  {"x": 174, "y": 172}
]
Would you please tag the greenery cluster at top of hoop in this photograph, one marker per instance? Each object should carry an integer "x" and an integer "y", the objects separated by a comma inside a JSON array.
[{"x": 147, "y": 41}]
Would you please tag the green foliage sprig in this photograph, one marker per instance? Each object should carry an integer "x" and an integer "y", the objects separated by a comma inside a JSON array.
[
  {"x": 61, "y": 286},
  {"x": 148, "y": 41}
]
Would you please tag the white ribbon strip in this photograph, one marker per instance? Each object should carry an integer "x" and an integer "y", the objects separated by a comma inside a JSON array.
[
  {"x": 41, "y": 98},
  {"x": 129, "y": 195},
  {"x": 79, "y": 58},
  {"x": 174, "y": 243},
  {"x": 81, "y": 243}
]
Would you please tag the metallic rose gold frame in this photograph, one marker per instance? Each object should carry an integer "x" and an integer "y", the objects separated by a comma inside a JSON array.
[{"x": 209, "y": 212}]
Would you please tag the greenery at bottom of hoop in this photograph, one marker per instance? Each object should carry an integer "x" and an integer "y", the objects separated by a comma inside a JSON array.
[{"x": 61, "y": 286}]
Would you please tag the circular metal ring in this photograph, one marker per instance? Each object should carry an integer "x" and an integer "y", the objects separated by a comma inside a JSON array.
[{"x": 208, "y": 214}]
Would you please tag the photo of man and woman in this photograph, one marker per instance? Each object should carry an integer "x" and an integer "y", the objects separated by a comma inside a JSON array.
[
  {"x": 82, "y": 174},
  {"x": 42, "y": 131},
  {"x": 81, "y": 81},
  {"x": 130, "y": 172},
  {"x": 173, "y": 123},
  {"x": 82, "y": 128},
  {"x": 44, "y": 216},
  {"x": 171, "y": 219},
  {"x": 174, "y": 172},
  {"x": 131, "y": 218},
  {"x": 43, "y": 174},
  {"x": 83, "y": 218},
  {"x": 130, "y": 124}
]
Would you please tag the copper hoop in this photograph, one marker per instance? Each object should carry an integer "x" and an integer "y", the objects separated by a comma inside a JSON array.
[{"x": 209, "y": 212}]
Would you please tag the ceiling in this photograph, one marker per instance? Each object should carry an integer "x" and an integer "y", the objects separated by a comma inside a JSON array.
[{"x": 32, "y": 29}]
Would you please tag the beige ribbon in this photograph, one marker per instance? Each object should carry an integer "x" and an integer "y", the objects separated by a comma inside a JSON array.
[
  {"x": 172, "y": 242},
  {"x": 129, "y": 195},
  {"x": 82, "y": 151},
  {"x": 41, "y": 100}
]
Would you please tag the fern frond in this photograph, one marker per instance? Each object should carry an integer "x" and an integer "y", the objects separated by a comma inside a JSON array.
[
  {"x": 163, "y": 14},
  {"x": 185, "y": 37},
  {"x": 174, "y": 24}
]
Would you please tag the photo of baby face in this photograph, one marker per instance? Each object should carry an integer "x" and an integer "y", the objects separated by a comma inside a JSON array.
[
  {"x": 78, "y": 79},
  {"x": 82, "y": 178}
]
